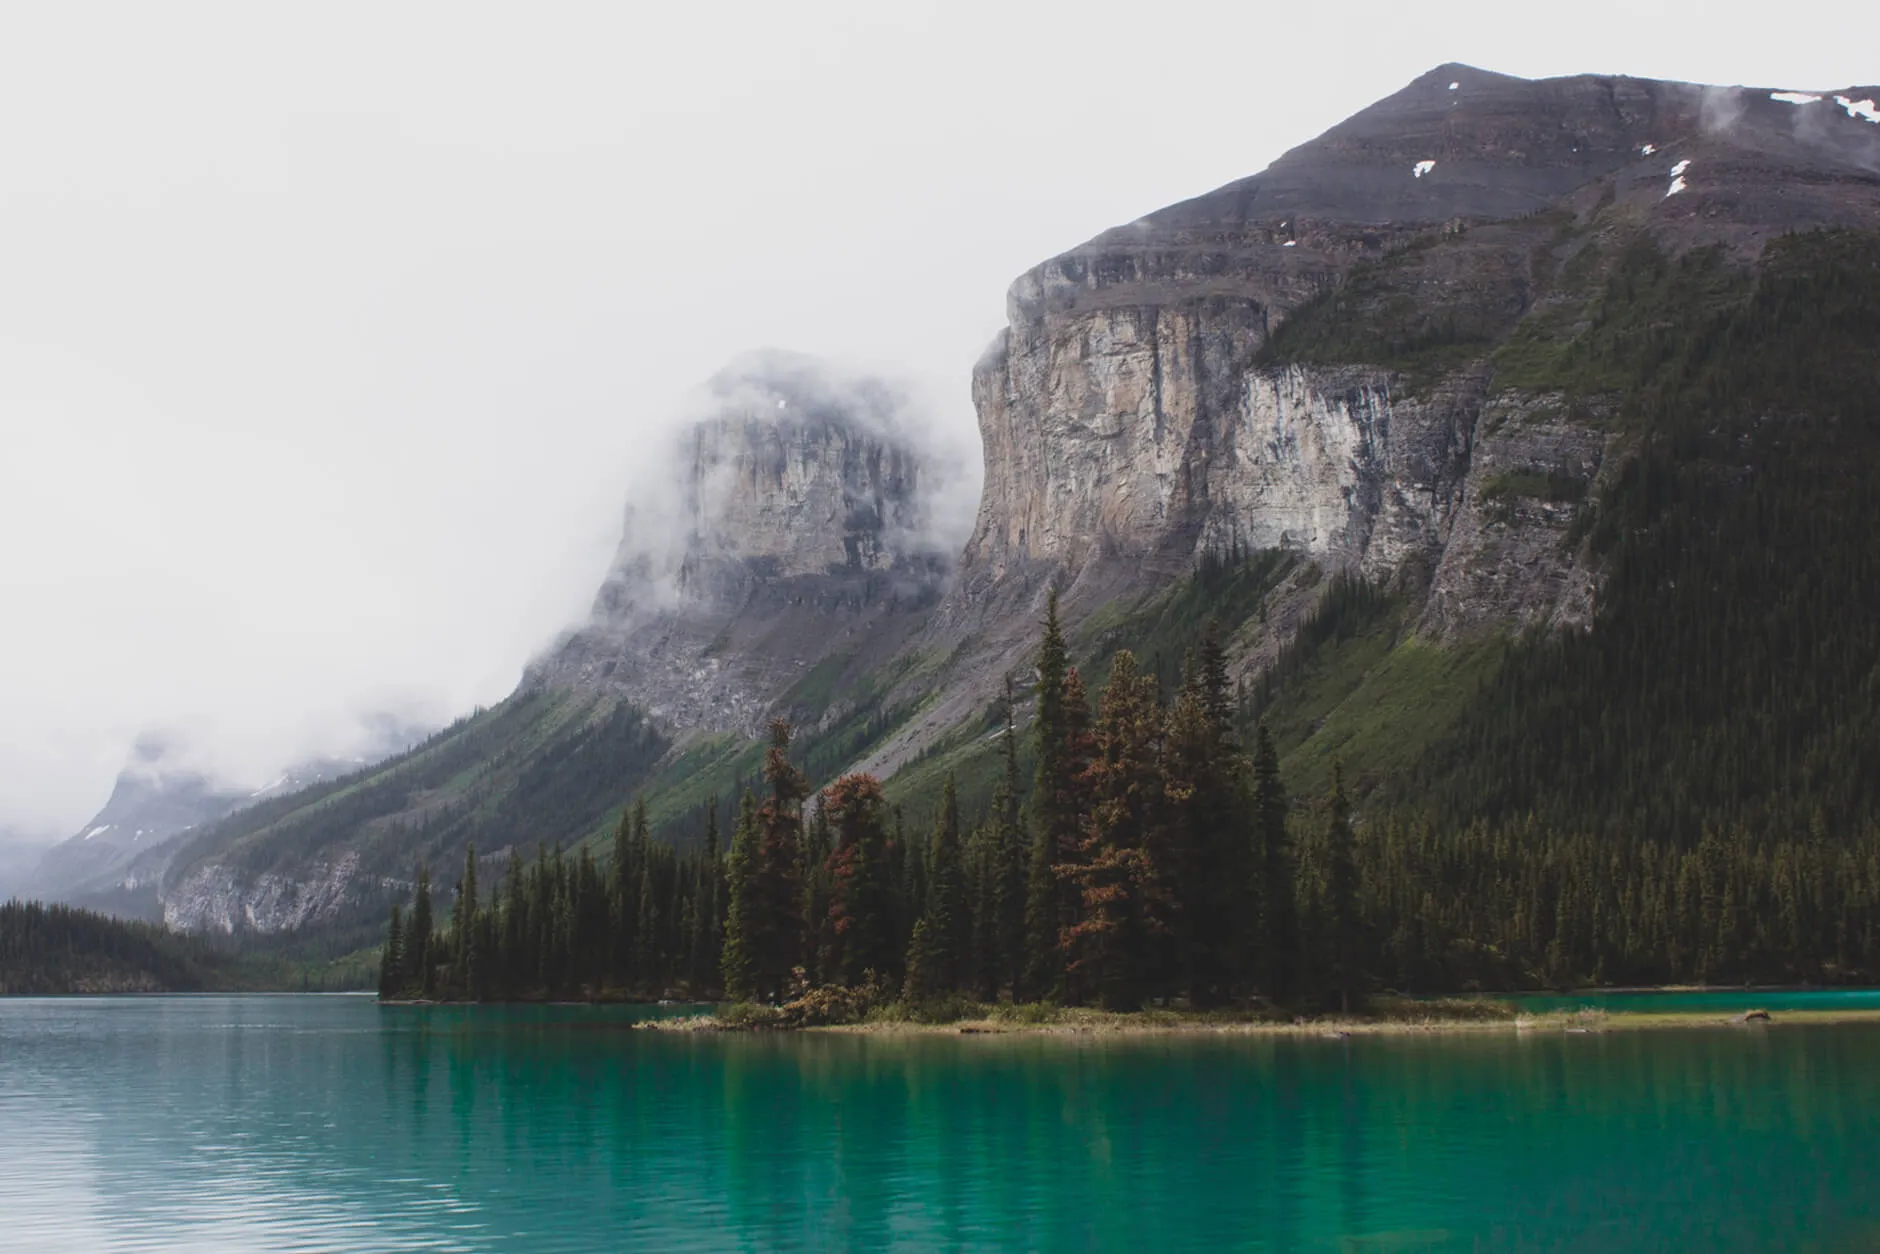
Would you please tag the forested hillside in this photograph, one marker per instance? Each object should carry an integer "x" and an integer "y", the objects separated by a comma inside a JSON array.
[
  {"x": 59, "y": 949},
  {"x": 1515, "y": 438},
  {"x": 1157, "y": 860}
]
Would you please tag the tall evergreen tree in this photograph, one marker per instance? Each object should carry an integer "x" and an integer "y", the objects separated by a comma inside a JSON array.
[
  {"x": 1054, "y": 811},
  {"x": 1118, "y": 865},
  {"x": 622, "y": 901},
  {"x": 739, "y": 959},
  {"x": 861, "y": 886},
  {"x": 418, "y": 945},
  {"x": 1005, "y": 869},
  {"x": 464, "y": 927},
  {"x": 821, "y": 956},
  {"x": 511, "y": 960},
  {"x": 1278, "y": 958},
  {"x": 1341, "y": 895},
  {"x": 774, "y": 941},
  {"x": 392, "y": 957},
  {"x": 945, "y": 931},
  {"x": 708, "y": 928},
  {"x": 648, "y": 922},
  {"x": 1204, "y": 776}
]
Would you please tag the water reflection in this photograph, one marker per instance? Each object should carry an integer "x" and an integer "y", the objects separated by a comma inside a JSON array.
[{"x": 333, "y": 1124}]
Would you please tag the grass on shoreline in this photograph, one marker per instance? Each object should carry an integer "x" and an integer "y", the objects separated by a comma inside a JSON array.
[{"x": 1383, "y": 1017}]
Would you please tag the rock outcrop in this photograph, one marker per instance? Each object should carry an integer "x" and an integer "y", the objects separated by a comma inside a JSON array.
[
  {"x": 1125, "y": 410},
  {"x": 793, "y": 525},
  {"x": 1310, "y": 359},
  {"x": 214, "y": 898},
  {"x": 1135, "y": 416},
  {"x": 118, "y": 862}
]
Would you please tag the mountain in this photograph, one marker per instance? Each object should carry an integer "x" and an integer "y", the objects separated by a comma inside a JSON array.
[
  {"x": 800, "y": 538},
  {"x": 1519, "y": 434},
  {"x": 1306, "y": 360},
  {"x": 19, "y": 857},
  {"x": 116, "y": 862},
  {"x": 780, "y": 549},
  {"x": 60, "y": 949}
]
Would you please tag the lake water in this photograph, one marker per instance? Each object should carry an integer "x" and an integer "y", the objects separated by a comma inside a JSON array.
[{"x": 330, "y": 1123}]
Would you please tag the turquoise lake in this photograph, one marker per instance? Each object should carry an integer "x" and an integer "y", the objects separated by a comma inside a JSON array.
[{"x": 330, "y": 1123}]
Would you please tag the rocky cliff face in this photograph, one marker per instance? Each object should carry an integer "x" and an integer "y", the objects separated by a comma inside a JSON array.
[
  {"x": 214, "y": 898},
  {"x": 117, "y": 863},
  {"x": 796, "y": 525},
  {"x": 1315, "y": 359},
  {"x": 1145, "y": 404},
  {"x": 789, "y": 528},
  {"x": 1126, "y": 410}
]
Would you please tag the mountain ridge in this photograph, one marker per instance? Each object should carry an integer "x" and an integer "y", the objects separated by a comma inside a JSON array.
[{"x": 1223, "y": 409}]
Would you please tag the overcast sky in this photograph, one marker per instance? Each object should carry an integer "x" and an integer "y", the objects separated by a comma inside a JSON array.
[{"x": 329, "y": 333}]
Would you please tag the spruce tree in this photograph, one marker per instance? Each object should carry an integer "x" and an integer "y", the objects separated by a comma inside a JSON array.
[
  {"x": 1054, "y": 821},
  {"x": 1118, "y": 865},
  {"x": 622, "y": 901},
  {"x": 922, "y": 983},
  {"x": 948, "y": 926},
  {"x": 1005, "y": 895},
  {"x": 739, "y": 959},
  {"x": 776, "y": 943},
  {"x": 419, "y": 944},
  {"x": 821, "y": 955},
  {"x": 708, "y": 934},
  {"x": 1341, "y": 894},
  {"x": 391, "y": 958},
  {"x": 1072, "y": 847},
  {"x": 647, "y": 943},
  {"x": 464, "y": 927},
  {"x": 515, "y": 964},
  {"x": 860, "y": 883},
  {"x": 1207, "y": 785},
  {"x": 1189, "y": 791},
  {"x": 1278, "y": 957}
]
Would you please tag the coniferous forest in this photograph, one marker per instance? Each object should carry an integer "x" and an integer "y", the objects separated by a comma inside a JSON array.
[
  {"x": 1152, "y": 859},
  {"x": 62, "y": 949},
  {"x": 1684, "y": 794}
]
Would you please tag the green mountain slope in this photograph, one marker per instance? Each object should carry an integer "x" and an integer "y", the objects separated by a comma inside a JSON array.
[{"x": 1546, "y": 494}]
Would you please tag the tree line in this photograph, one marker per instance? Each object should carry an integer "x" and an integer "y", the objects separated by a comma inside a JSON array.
[
  {"x": 1153, "y": 859},
  {"x": 64, "y": 949}
]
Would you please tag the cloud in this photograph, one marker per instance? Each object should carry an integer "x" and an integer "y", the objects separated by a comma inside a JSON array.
[
  {"x": 331, "y": 338},
  {"x": 689, "y": 495}
]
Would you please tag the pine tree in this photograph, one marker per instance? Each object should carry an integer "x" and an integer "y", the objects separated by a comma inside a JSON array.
[
  {"x": 419, "y": 944},
  {"x": 776, "y": 943},
  {"x": 821, "y": 956},
  {"x": 517, "y": 969},
  {"x": 860, "y": 884},
  {"x": 1341, "y": 894},
  {"x": 647, "y": 943},
  {"x": 622, "y": 901},
  {"x": 391, "y": 958},
  {"x": 708, "y": 926},
  {"x": 464, "y": 926},
  {"x": 908, "y": 869},
  {"x": 1326, "y": 896},
  {"x": 923, "y": 982},
  {"x": 1273, "y": 887},
  {"x": 738, "y": 960},
  {"x": 1117, "y": 867},
  {"x": 946, "y": 925},
  {"x": 1207, "y": 780},
  {"x": 1055, "y": 817},
  {"x": 1005, "y": 872}
]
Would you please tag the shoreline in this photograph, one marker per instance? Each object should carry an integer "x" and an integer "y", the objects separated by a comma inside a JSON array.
[{"x": 1090, "y": 1023}]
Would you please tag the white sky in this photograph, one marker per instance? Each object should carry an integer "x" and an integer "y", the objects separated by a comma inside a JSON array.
[{"x": 329, "y": 334}]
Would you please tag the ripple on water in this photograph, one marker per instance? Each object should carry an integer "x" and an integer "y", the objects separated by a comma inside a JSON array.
[{"x": 331, "y": 1125}]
